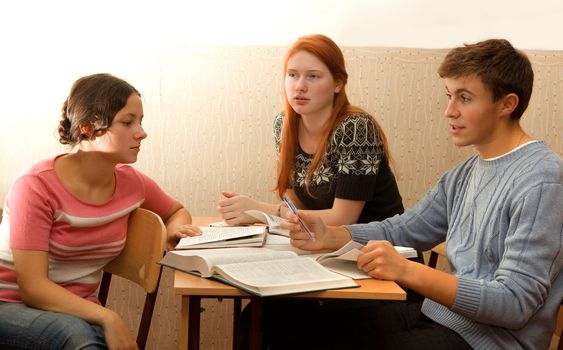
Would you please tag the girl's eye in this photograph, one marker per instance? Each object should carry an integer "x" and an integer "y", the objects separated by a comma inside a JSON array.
[
  {"x": 449, "y": 96},
  {"x": 465, "y": 98},
  {"x": 126, "y": 123},
  {"x": 313, "y": 76}
]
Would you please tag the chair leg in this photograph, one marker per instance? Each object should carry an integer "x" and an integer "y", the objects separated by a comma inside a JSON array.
[
  {"x": 104, "y": 288},
  {"x": 148, "y": 308},
  {"x": 145, "y": 323},
  {"x": 433, "y": 260}
]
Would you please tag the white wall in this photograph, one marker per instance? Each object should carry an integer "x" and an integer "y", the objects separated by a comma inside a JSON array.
[
  {"x": 46, "y": 45},
  {"x": 405, "y": 23}
]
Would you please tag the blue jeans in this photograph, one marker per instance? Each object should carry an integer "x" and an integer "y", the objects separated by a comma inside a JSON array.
[{"x": 23, "y": 327}]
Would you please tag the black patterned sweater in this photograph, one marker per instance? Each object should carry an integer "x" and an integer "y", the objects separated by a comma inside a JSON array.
[{"x": 354, "y": 167}]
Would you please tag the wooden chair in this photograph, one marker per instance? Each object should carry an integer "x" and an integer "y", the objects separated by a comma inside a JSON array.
[
  {"x": 138, "y": 262},
  {"x": 435, "y": 253}
]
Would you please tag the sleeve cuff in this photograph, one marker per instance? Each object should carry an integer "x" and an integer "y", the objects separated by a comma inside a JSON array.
[{"x": 468, "y": 297}]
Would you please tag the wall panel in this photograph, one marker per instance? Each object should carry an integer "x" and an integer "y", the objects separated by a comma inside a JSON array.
[{"x": 209, "y": 113}]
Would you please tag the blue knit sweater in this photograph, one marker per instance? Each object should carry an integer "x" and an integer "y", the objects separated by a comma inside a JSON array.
[{"x": 502, "y": 221}]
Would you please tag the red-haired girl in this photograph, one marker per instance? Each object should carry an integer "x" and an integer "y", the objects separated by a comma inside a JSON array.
[{"x": 333, "y": 157}]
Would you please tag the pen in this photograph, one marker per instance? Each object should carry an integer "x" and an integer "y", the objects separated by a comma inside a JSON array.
[{"x": 293, "y": 209}]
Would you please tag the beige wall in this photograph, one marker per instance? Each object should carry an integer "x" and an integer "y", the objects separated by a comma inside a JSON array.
[{"x": 209, "y": 114}]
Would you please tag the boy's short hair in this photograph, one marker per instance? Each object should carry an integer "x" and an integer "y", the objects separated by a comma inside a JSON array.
[{"x": 502, "y": 69}]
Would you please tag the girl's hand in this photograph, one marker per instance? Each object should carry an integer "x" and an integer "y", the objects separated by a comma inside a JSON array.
[
  {"x": 117, "y": 334},
  {"x": 233, "y": 206},
  {"x": 182, "y": 231}
]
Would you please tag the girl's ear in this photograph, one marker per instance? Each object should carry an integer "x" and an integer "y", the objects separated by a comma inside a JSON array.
[
  {"x": 509, "y": 104},
  {"x": 338, "y": 87}
]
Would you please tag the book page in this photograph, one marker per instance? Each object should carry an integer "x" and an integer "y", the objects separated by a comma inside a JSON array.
[
  {"x": 407, "y": 252},
  {"x": 344, "y": 260},
  {"x": 186, "y": 263},
  {"x": 219, "y": 224},
  {"x": 278, "y": 242},
  {"x": 349, "y": 251},
  {"x": 204, "y": 260},
  {"x": 282, "y": 276},
  {"x": 272, "y": 221},
  {"x": 346, "y": 268},
  {"x": 215, "y": 234},
  {"x": 250, "y": 241}
]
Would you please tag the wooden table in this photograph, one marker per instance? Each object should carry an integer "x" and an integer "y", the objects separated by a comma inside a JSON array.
[{"x": 193, "y": 288}]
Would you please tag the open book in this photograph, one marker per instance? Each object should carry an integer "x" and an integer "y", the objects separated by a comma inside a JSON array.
[
  {"x": 259, "y": 271},
  {"x": 343, "y": 260},
  {"x": 222, "y": 237},
  {"x": 273, "y": 222}
]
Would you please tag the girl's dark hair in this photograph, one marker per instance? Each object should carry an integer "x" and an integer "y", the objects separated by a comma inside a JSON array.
[{"x": 94, "y": 100}]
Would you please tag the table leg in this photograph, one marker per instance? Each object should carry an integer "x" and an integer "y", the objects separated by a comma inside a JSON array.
[
  {"x": 256, "y": 323},
  {"x": 236, "y": 315},
  {"x": 184, "y": 322},
  {"x": 194, "y": 309}
]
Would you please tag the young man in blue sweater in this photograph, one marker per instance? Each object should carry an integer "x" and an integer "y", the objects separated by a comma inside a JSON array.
[{"x": 499, "y": 212}]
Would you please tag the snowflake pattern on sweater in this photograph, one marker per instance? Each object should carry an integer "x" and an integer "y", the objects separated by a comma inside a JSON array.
[{"x": 355, "y": 148}]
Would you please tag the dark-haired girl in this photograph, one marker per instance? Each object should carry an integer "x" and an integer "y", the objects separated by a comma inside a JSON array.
[{"x": 66, "y": 217}]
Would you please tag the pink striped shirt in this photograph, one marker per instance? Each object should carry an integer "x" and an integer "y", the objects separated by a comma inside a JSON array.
[{"x": 40, "y": 214}]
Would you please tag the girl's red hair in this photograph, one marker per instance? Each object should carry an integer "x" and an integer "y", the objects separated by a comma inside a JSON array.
[{"x": 330, "y": 54}]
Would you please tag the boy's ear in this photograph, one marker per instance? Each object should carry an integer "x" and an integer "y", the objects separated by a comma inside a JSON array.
[{"x": 509, "y": 104}]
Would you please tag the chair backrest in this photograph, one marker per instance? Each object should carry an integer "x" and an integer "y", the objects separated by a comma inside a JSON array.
[
  {"x": 145, "y": 246},
  {"x": 138, "y": 262},
  {"x": 435, "y": 253}
]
